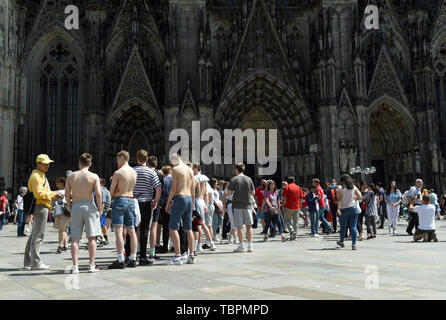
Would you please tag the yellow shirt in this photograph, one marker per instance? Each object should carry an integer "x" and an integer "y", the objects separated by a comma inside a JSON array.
[{"x": 43, "y": 195}]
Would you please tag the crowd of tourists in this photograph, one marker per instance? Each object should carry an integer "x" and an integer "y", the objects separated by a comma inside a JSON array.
[{"x": 191, "y": 212}]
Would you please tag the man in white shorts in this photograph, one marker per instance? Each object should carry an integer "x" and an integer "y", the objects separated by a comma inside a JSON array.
[
  {"x": 79, "y": 187},
  {"x": 201, "y": 204},
  {"x": 242, "y": 187}
]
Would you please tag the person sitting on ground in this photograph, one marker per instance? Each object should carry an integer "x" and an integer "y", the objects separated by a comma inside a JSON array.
[{"x": 426, "y": 220}]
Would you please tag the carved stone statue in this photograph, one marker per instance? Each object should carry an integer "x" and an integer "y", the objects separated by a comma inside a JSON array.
[
  {"x": 313, "y": 163},
  {"x": 409, "y": 163},
  {"x": 300, "y": 165},
  {"x": 405, "y": 171},
  {"x": 417, "y": 162},
  {"x": 343, "y": 159},
  {"x": 352, "y": 158},
  {"x": 434, "y": 153},
  {"x": 307, "y": 165}
]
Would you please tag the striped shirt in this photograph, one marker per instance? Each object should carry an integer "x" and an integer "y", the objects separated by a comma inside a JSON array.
[{"x": 146, "y": 181}]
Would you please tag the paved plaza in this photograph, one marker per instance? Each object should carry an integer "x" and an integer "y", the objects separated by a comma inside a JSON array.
[{"x": 391, "y": 267}]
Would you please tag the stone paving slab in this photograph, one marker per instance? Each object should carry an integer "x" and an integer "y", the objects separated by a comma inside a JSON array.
[{"x": 308, "y": 268}]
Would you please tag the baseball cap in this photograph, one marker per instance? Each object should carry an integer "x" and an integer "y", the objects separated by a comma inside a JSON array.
[{"x": 43, "y": 158}]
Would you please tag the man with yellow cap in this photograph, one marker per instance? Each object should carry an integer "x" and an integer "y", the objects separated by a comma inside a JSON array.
[{"x": 39, "y": 186}]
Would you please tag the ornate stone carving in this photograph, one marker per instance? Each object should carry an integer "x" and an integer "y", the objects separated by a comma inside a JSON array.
[
  {"x": 135, "y": 82},
  {"x": 352, "y": 158},
  {"x": 343, "y": 159},
  {"x": 385, "y": 80}
]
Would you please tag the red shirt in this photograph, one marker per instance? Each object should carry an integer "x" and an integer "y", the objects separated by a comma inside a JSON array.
[
  {"x": 294, "y": 195},
  {"x": 3, "y": 203},
  {"x": 260, "y": 194},
  {"x": 304, "y": 201},
  {"x": 320, "y": 192}
]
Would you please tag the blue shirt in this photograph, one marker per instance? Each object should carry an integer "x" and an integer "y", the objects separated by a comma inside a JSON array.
[
  {"x": 415, "y": 192},
  {"x": 434, "y": 199},
  {"x": 166, "y": 189},
  {"x": 312, "y": 202},
  {"x": 393, "y": 197}
]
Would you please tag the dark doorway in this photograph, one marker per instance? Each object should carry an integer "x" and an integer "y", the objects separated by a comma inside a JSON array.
[{"x": 379, "y": 175}]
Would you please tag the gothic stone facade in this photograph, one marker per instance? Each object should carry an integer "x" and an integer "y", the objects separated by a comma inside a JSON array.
[{"x": 339, "y": 95}]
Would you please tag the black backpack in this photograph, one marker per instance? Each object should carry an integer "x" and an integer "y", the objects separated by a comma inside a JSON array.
[{"x": 29, "y": 203}]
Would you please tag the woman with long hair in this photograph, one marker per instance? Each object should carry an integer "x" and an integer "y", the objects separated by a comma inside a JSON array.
[
  {"x": 348, "y": 195},
  {"x": 61, "y": 221},
  {"x": 270, "y": 206},
  {"x": 217, "y": 218},
  {"x": 393, "y": 198},
  {"x": 371, "y": 209}
]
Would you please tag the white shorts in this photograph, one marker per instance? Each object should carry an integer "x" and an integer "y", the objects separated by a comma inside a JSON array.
[
  {"x": 243, "y": 217},
  {"x": 199, "y": 206}
]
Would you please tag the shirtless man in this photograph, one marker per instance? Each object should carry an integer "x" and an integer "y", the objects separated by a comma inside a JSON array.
[
  {"x": 123, "y": 209},
  {"x": 201, "y": 203},
  {"x": 79, "y": 189},
  {"x": 180, "y": 204}
]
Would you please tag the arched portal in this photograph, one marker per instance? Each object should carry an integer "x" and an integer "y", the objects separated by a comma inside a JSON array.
[
  {"x": 284, "y": 110},
  {"x": 392, "y": 148},
  {"x": 258, "y": 119},
  {"x": 133, "y": 126}
]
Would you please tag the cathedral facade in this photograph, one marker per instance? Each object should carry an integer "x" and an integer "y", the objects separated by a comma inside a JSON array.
[{"x": 340, "y": 95}]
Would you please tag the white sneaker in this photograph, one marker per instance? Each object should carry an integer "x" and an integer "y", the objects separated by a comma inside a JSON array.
[
  {"x": 395, "y": 233},
  {"x": 249, "y": 248},
  {"x": 174, "y": 260},
  {"x": 229, "y": 236},
  {"x": 390, "y": 231},
  {"x": 40, "y": 266},
  {"x": 213, "y": 247},
  {"x": 75, "y": 270},
  {"x": 26, "y": 268},
  {"x": 92, "y": 268},
  {"x": 236, "y": 241},
  {"x": 184, "y": 257},
  {"x": 191, "y": 259},
  {"x": 315, "y": 235},
  {"x": 239, "y": 249},
  {"x": 200, "y": 249}
]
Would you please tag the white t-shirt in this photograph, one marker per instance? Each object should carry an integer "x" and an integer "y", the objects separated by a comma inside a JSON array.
[
  {"x": 348, "y": 198},
  {"x": 426, "y": 216},
  {"x": 58, "y": 205},
  {"x": 19, "y": 202}
]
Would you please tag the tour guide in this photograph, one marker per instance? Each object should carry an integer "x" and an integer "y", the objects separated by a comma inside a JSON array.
[{"x": 39, "y": 186}]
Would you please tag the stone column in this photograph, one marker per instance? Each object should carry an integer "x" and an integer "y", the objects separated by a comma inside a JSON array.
[{"x": 7, "y": 116}]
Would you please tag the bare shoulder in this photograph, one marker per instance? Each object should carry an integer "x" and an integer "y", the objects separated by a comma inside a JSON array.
[{"x": 94, "y": 175}]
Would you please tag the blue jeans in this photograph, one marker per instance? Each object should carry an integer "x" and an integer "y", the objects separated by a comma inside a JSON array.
[
  {"x": 313, "y": 221},
  {"x": 2, "y": 220},
  {"x": 181, "y": 211},
  {"x": 216, "y": 222},
  {"x": 123, "y": 212},
  {"x": 20, "y": 222},
  {"x": 270, "y": 219},
  {"x": 349, "y": 215},
  {"x": 322, "y": 218}
]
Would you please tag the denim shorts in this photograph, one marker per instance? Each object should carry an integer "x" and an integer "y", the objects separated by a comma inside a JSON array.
[
  {"x": 181, "y": 211},
  {"x": 123, "y": 212},
  {"x": 103, "y": 217}
]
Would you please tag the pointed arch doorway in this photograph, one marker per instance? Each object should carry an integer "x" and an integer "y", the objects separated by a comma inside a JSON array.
[
  {"x": 134, "y": 126},
  {"x": 392, "y": 147},
  {"x": 258, "y": 119}
]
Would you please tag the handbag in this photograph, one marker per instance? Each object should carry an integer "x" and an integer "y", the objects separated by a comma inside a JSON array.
[
  {"x": 274, "y": 212},
  {"x": 65, "y": 211}
]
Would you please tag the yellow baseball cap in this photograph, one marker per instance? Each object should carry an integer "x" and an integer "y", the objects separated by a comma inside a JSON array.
[{"x": 43, "y": 158}]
